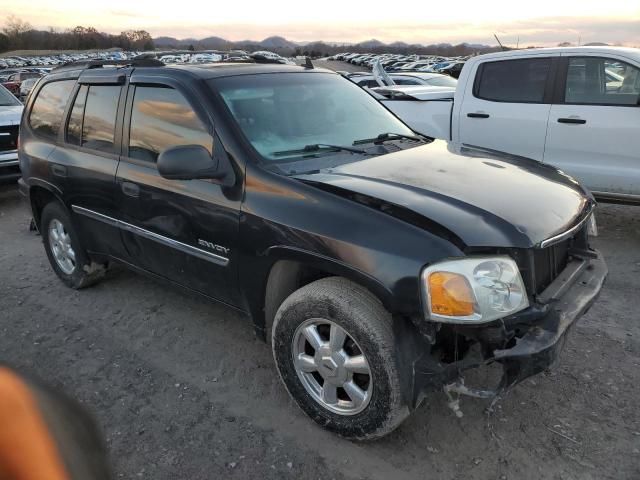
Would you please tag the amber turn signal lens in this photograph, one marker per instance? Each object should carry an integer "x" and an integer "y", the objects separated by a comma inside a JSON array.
[{"x": 451, "y": 294}]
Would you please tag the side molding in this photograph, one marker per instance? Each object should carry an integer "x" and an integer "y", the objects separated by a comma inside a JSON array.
[{"x": 169, "y": 242}]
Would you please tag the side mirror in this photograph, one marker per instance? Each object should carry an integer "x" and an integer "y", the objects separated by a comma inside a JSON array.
[{"x": 189, "y": 162}]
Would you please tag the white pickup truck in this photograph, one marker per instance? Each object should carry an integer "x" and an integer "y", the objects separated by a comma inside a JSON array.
[{"x": 575, "y": 108}]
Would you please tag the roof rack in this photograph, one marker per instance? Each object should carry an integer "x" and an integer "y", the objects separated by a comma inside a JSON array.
[{"x": 134, "y": 62}]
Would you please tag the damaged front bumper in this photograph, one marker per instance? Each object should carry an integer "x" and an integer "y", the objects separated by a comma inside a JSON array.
[{"x": 524, "y": 344}]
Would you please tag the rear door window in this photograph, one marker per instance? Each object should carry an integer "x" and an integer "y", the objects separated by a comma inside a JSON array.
[
  {"x": 514, "y": 81},
  {"x": 601, "y": 81},
  {"x": 46, "y": 115},
  {"x": 162, "y": 118},
  {"x": 98, "y": 126}
]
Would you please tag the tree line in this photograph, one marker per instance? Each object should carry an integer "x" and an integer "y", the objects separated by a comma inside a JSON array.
[{"x": 20, "y": 35}]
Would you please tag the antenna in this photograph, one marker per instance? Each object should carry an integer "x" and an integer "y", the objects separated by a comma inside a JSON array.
[
  {"x": 500, "y": 43},
  {"x": 308, "y": 64}
]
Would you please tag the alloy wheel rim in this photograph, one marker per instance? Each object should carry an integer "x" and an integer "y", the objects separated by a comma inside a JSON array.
[
  {"x": 60, "y": 243},
  {"x": 332, "y": 367}
]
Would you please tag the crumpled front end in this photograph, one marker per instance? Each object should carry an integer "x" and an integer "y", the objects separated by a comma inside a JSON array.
[{"x": 522, "y": 344}]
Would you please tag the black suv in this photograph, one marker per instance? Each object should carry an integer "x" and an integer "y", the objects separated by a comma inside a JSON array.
[{"x": 379, "y": 264}]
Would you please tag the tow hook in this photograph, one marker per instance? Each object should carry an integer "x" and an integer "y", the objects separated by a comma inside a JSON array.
[{"x": 461, "y": 389}]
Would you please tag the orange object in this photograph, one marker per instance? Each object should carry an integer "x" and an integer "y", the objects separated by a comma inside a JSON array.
[
  {"x": 27, "y": 450},
  {"x": 451, "y": 295}
]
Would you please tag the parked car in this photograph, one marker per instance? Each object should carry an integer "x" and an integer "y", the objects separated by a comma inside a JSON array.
[
  {"x": 365, "y": 79},
  {"x": 268, "y": 57},
  {"x": 453, "y": 69},
  {"x": 13, "y": 82},
  {"x": 10, "y": 113},
  {"x": 26, "y": 86},
  {"x": 379, "y": 264},
  {"x": 575, "y": 108},
  {"x": 426, "y": 109}
]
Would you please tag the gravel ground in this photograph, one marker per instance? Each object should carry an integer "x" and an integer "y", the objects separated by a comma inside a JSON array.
[{"x": 182, "y": 389}]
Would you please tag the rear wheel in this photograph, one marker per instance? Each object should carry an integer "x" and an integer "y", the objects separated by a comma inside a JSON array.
[
  {"x": 66, "y": 255},
  {"x": 333, "y": 344}
]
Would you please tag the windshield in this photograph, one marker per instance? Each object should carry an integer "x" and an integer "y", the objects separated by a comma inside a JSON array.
[
  {"x": 7, "y": 99},
  {"x": 290, "y": 111}
]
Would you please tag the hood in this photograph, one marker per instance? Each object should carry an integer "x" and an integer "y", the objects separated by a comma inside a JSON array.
[
  {"x": 10, "y": 115},
  {"x": 484, "y": 198}
]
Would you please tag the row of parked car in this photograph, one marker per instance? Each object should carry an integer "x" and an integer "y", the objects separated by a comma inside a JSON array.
[
  {"x": 21, "y": 81},
  {"x": 234, "y": 56},
  {"x": 16, "y": 61},
  {"x": 404, "y": 63},
  {"x": 19, "y": 74}
]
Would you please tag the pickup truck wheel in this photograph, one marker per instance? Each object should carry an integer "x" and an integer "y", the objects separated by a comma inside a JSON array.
[
  {"x": 333, "y": 344},
  {"x": 66, "y": 255}
]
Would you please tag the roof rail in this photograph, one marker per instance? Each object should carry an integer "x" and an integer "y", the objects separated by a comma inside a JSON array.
[{"x": 134, "y": 62}]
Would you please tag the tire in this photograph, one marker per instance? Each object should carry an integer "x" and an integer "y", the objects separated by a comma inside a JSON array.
[
  {"x": 344, "y": 305},
  {"x": 84, "y": 272}
]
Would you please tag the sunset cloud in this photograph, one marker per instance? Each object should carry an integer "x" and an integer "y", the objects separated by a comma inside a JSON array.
[{"x": 412, "y": 21}]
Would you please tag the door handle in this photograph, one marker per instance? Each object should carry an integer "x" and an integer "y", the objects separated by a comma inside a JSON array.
[
  {"x": 58, "y": 170},
  {"x": 576, "y": 121},
  {"x": 130, "y": 189},
  {"x": 478, "y": 115}
]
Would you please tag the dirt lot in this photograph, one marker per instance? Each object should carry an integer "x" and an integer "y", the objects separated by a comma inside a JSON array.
[{"x": 182, "y": 389}]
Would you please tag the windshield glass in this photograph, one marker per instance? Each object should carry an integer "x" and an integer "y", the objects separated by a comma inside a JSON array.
[
  {"x": 7, "y": 99},
  {"x": 281, "y": 114}
]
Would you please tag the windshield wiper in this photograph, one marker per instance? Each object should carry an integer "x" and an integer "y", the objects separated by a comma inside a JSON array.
[
  {"x": 317, "y": 147},
  {"x": 387, "y": 136}
]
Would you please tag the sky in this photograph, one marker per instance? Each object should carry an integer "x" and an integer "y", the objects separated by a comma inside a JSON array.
[{"x": 536, "y": 22}]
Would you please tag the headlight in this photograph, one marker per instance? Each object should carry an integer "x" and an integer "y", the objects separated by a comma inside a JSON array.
[{"x": 473, "y": 290}]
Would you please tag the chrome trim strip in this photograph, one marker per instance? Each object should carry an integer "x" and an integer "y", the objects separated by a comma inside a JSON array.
[
  {"x": 562, "y": 236},
  {"x": 169, "y": 242},
  {"x": 95, "y": 215}
]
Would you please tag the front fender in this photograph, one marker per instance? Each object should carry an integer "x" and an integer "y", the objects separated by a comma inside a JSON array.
[
  {"x": 257, "y": 270},
  {"x": 334, "y": 267}
]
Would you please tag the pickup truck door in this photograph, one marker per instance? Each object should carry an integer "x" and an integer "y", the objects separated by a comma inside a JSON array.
[
  {"x": 506, "y": 105},
  {"x": 594, "y": 124},
  {"x": 185, "y": 231}
]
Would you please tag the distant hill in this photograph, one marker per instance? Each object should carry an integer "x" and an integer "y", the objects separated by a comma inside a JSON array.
[
  {"x": 283, "y": 46},
  {"x": 277, "y": 42}
]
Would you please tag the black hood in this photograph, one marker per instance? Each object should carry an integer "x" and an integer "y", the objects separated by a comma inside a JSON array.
[{"x": 485, "y": 198}]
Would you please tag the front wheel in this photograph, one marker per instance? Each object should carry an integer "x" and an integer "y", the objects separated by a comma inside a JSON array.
[{"x": 333, "y": 344}]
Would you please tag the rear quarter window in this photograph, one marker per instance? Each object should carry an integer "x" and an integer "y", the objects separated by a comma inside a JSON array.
[{"x": 46, "y": 114}]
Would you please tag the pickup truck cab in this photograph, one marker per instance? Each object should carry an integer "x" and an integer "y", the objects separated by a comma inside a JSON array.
[
  {"x": 379, "y": 265},
  {"x": 575, "y": 108}
]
